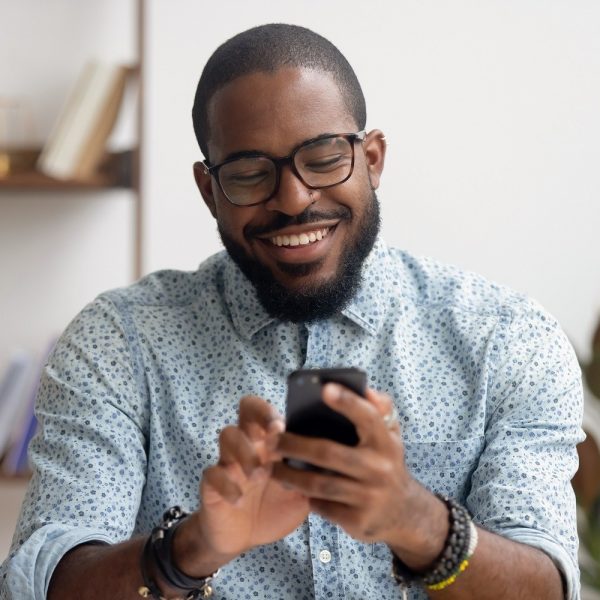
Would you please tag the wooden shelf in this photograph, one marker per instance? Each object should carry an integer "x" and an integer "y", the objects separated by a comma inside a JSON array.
[{"x": 115, "y": 172}]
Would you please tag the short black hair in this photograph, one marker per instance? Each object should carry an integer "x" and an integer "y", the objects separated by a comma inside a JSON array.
[{"x": 267, "y": 48}]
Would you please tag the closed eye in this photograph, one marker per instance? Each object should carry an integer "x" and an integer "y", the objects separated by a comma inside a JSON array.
[
  {"x": 248, "y": 178},
  {"x": 327, "y": 163}
]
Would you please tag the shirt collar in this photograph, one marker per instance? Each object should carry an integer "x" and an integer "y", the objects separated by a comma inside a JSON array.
[
  {"x": 247, "y": 313},
  {"x": 367, "y": 308}
]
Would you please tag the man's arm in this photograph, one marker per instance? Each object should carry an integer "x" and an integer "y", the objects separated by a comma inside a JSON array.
[
  {"x": 499, "y": 568},
  {"x": 241, "y": 507},
  {"x": 99, "y": 571},
  {"x": 88, "y": 458},
  {"x": 96, "y": 572},
  {"x": 374, "y": 498}
]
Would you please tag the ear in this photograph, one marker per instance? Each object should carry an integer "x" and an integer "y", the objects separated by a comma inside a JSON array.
[
  {"x": 204, "y": 183},
  {"x": 374, "y": 147}
]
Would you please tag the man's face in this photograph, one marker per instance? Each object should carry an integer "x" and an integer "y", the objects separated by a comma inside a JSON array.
[{"x": 272, "y": 113}]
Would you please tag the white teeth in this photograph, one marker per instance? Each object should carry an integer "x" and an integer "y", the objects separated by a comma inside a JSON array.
[{"x": 301, "y": 239}]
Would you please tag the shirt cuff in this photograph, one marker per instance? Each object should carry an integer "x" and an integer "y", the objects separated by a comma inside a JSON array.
[
  {"x": 560, "y": 557},
  {"x": 29, "y": 571}
]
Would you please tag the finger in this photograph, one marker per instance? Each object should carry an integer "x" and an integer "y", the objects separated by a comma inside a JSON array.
[
  {"x": 348, "y": 518},
  {"x": 386, "y": 408},
  {"x": 257, "y": 418},
  {"x": 364, "y": 415},
  {"x": 216, "y": 485},
  {"x": 236, "y": 448},
  {"x": 381, "y": 401},
  {"x": 346, "y": 460},
  {"x": 334, "y": 512},
  {"x": 320, "y": 485}
]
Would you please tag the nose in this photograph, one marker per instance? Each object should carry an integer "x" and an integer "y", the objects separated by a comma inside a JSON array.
[{"x": 292, "y": 196}]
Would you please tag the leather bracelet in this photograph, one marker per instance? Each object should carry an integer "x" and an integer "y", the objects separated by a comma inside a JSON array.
[
  {"x": 149, "y": 589},
  {"x": 454, "y": 558},
  {"x": 157, "y": 551}
]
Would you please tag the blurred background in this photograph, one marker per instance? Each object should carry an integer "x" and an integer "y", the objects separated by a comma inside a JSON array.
[{"x": 491, "y": 110}]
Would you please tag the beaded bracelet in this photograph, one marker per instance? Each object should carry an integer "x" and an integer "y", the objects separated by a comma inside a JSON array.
[
  {"x": 454, "y": 558},
  {"x": 462, "y": 566}
]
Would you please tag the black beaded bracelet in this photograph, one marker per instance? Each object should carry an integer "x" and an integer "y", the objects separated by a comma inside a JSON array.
[{"x": 459, "y": 546}]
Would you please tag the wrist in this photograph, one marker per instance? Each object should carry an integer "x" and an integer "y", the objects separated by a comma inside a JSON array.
[
  {"x": 191, "y": 554},
  {"x": 420, "y": 543},
  {"x": 454, "y": 558}
]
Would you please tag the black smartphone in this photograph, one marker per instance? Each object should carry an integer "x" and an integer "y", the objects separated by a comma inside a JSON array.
[{"x": 307, "y": 414}]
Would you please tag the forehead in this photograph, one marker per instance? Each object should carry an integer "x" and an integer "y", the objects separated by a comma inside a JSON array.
[{"x": 273, "y": 112}]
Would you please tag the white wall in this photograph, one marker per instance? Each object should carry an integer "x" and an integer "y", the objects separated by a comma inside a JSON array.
[{"x": 492, "y": 114}]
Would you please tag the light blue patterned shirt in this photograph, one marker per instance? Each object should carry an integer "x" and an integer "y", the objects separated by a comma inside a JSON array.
[{"x": 137, "y": 389}]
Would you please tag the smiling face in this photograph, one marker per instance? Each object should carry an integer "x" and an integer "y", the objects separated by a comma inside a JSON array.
[{"x": 300, "y": 242}]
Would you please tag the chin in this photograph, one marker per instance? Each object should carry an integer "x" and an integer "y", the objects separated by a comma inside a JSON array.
[{"x": 310, "y": 291}]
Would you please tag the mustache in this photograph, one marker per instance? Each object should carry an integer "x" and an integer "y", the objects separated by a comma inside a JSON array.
[{"x": 281, "y": 220}]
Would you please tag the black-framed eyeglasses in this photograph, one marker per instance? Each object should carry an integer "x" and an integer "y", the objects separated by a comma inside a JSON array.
[{"x": 318, "y": 163}]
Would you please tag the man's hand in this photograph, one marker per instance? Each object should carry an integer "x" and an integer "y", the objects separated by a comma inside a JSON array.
[
  {"x": 242, "y": 506},
  {"x": 370, "y": 493}
]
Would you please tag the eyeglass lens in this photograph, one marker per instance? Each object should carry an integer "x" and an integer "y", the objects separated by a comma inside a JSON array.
[{"x": 321, "y": 163}]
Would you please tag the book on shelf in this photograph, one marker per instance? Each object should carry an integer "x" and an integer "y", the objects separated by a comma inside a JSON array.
[
  {"x": 13, "y": 389},
  {"x": 16, "y": 460},
  {"x": 77, "y": 143}
]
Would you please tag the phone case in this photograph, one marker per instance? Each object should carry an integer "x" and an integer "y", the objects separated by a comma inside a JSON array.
[{"x": 307, "y": 414}]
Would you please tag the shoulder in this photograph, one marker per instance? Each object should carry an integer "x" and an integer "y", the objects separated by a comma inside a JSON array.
[
  {"x": 432, "y": 283},
  {"x": 160, "y": 295},
  {"x": 171, "y": 288}
]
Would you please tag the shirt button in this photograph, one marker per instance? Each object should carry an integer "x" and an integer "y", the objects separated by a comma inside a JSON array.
[{"x": 325, "y": 556}]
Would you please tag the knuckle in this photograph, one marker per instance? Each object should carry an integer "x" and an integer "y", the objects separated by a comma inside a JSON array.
[
  {"x": 372, "y": 416},
  {"x": 387, "y": 468},
  {"x": 369, "y": 498},
  {"x": 229, "y": 432},
  {"x": 225, "y": 433},
  {"x": 326, "y": 487},
  {"x": 208, "y": 473},
  {"x": 328, "y": 452},
  {"x": 387, "y": 402}
]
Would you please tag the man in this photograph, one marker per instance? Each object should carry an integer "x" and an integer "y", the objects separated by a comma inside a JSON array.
[{"x": 141, "y": 399}]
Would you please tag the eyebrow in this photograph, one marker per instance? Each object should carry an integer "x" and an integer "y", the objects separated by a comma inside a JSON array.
[{"x": 257, "y": 153}]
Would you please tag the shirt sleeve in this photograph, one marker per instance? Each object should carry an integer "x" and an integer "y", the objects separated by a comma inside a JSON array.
[
  {"x": 88, "y": 457},
  {"x": 521, "y": 487}
]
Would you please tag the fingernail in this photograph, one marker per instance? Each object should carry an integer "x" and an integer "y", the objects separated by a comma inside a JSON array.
[
  {"x": 333, "y": 390},
  {"x": 276, "y": 426}
]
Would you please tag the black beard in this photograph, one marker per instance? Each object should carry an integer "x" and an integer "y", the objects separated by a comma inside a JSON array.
[{"x": 310, "y": 303}]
